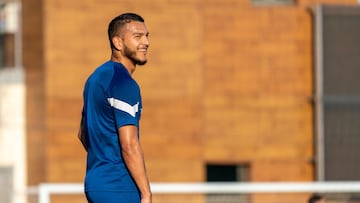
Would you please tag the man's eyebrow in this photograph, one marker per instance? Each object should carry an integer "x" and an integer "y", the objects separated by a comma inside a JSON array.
[{"x": 141, "y": 33}]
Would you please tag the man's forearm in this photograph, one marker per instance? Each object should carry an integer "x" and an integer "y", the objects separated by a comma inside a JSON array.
[{"x": 134, "y": 160}]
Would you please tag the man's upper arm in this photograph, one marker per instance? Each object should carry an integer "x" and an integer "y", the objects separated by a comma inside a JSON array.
[{"x": 128, "y": 135}]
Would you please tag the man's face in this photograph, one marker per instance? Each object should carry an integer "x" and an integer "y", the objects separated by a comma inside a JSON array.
[{"x": 136, "y": 42}]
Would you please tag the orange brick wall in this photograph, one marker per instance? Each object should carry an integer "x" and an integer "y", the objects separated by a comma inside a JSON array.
[
  {"x": 226, "y": 82},
  {"x": 258, "y": 88}
]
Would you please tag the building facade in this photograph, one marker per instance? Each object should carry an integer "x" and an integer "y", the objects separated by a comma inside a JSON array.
[{"x": 228, "y": 83}]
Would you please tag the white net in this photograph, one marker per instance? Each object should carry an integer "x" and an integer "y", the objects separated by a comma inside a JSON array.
[{"x": 334, "y": 192}]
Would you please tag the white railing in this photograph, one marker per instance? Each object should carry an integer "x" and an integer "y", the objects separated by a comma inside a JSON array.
[{"x": 44, "y": 190}]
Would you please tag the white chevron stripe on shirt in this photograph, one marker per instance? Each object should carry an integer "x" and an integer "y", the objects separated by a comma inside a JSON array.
[{"x": 123, "y": 106}]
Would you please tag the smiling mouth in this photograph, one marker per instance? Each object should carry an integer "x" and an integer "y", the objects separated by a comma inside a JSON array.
[{"x": 143, "y": 51}]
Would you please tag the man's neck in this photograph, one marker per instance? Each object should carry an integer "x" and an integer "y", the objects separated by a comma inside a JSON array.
[{"x": 125, "y": 62}]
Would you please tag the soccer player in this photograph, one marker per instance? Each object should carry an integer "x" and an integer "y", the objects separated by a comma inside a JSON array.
[{"x": 109, "y": 128}]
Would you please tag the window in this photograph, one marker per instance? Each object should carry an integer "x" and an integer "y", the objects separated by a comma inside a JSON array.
[
  {"x": 337, "y": 99},
  {"x": 9, "y": 35},
  {"x": 227, "y": 173}
]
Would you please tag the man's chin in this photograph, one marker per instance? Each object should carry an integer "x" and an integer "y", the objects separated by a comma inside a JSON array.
[
  {"x": 137, "y": 60},
  {"x": 141, "y": 63}
]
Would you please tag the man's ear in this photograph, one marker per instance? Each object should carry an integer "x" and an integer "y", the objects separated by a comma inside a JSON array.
[{"x": 117, "y": 42}]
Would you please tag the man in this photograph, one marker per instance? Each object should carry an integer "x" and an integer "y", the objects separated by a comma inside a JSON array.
[
  {"x": 109, "y": 129},
  {"x": 316, "y": 198}
]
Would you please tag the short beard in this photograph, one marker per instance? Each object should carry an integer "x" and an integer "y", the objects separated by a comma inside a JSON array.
[{"x": 132, "y": 56}]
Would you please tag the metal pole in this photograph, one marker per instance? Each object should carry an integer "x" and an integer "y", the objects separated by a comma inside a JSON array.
[
  {"x": 44, "y": 194},
  {"x": 319, "y": 107},
  {"x": 18, "y": 40}
]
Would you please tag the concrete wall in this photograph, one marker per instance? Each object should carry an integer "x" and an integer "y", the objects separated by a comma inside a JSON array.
[{"x": 12, "y": 136}]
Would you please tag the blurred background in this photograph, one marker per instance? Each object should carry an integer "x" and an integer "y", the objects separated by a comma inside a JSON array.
[{"x": 233, "y": 91}]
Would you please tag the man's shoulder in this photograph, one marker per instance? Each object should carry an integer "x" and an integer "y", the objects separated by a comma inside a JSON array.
[{"x": 104, "y": 68}]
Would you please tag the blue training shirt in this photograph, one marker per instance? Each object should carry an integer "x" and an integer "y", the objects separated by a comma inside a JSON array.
[{"x": 111, "y": 99}]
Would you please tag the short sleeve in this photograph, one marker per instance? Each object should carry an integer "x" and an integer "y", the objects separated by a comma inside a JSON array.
[
  {"x": 124, "y": 98},
  {"x": 125, "y": 112}
]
